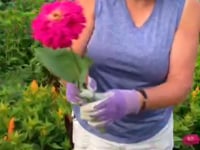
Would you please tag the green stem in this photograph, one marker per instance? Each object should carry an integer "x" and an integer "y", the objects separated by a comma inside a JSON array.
[{"x": 77, "y": 66}]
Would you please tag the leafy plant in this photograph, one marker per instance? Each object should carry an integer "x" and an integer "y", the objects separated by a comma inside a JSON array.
[
  {"x": 16, "y": 43},
  {"x": 38, "y": 115},
  {"x": 187, "y": 115}
]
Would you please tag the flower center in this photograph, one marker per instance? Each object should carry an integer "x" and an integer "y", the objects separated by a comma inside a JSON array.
[{"x": 55, "y": 15}]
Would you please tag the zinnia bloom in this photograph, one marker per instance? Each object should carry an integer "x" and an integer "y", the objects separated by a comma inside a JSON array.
[
  {"x": 58, "y": 23},
  {"x": 191, "y": 139},
  {"x": 34, "y": 86}
]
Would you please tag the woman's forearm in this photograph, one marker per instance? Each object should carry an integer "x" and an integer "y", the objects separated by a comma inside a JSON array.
[{"x": 170, "y": 93}]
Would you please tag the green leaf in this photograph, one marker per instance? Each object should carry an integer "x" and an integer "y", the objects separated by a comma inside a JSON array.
[
  {"x": 64, "y": 64},
  {"x": 85, "y": 64},
  {"x": 177, "y": 139},
  {"x": 56, "y": 146}
]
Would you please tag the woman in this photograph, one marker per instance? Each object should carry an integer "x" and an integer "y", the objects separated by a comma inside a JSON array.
[{"x": 144, "y": 53}]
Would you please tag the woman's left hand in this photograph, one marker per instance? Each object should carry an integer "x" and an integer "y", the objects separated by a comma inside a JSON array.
[{"x": 116, "y": 105}]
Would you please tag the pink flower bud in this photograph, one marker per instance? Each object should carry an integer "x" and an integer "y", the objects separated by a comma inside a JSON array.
[{"x": 191, "y": 139}]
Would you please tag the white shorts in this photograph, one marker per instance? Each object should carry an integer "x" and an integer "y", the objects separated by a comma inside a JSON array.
[{"x": 84, "y": 140}]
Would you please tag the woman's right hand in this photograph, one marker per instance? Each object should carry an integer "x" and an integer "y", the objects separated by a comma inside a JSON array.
[
  {"x": 72, "y": 93},
  {"x": 75, "y": 96}
]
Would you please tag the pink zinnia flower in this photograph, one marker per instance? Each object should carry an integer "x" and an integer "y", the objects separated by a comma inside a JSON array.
[
  {"x": 58, "y": 23},
  {"x": 191, "y": 139}
]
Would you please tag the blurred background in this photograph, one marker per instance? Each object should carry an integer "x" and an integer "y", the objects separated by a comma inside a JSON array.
[{"x": 34, "y": 114}]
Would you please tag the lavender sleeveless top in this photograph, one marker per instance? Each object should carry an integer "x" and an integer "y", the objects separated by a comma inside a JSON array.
[{"x": 127, "y": 57}]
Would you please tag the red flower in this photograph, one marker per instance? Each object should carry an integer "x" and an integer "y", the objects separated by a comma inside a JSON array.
[
  {"x": 58, "y": 23},
  {"x": 191, "y": 139}
]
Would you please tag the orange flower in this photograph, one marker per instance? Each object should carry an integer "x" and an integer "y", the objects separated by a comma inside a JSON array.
[
  {"x": 5, "y": 138},
  {"x": 60, "y": 113},
  {"x": 53, "y": 90},
  {"x": 11, "y": 128},
  {"x": 34, "y": 86},
  {"x": 197, "y": 89},
  {"x": 195, "y": 92}
]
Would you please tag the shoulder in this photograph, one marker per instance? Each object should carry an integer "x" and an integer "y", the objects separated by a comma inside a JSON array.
[{"x": 191, "y": 16}]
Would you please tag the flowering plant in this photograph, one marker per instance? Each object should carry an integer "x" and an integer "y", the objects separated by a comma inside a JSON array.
[
  {"x": 56, "y": 26},
  {"x": 33, "y": 117},
  {"x": 191, "y": 139}
]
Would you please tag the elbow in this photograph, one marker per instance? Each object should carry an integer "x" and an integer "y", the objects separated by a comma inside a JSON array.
[{"x": 185, "y": 88}]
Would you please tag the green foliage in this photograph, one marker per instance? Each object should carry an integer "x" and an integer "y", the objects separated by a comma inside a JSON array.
[
  {"x": 187, "y": 115},
  {"x": 65, "y": 64},
  {"x": 16, "y": 43},
  {"x": 197, "y": 70},
  {"x": 22, "y": 5},
  {"x": 187, "y": 118},
  {"x": 38, "y": 123},
  {"x": 39, "y": 118}
]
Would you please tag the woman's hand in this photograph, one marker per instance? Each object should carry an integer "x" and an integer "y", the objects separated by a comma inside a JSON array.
[
  {"x": 116, "y": 105},
  {"x": 76, "y": 96},
  {"x": 72, "y": 93}
]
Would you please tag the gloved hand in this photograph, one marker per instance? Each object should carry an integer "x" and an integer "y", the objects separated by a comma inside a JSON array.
[
  {"x": 72, "y": 93},
  {"x": 116, "y": 105},
  {"x": 76, "y": 96}
]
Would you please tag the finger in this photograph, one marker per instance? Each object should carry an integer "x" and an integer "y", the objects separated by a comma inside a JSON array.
[
  {"x": 86, "y": 116},
  {"x": 71, "y": 91},
  {"x": 71, "y": 87},
  {"x": 74, "y": 99},
  {"x": 100, "y": 124},
  {"x": 80, "y": 101},
  {"x": 104, "y": 102},
  {"x": 91, "y": 85},
  {"x": 100, "y": 96},
  {"x": 87, "y": 108},
  {"x": 98, "y": 114},
  {"x": 101, "y": 105},
  {"x": 102, "y": 117},
  {"x": 86, "y": 94}
]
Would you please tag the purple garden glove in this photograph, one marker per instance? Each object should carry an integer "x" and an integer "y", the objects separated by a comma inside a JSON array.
[
  {"x": 76, "y": 96},
  {"x": 72, "y": 93},
  {"x": 118, "y": 104}
]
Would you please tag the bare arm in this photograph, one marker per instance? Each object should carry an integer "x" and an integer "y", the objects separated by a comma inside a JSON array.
[
  {"x": 79, "y": 46},
  {"x": 182, "y": 61}
]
